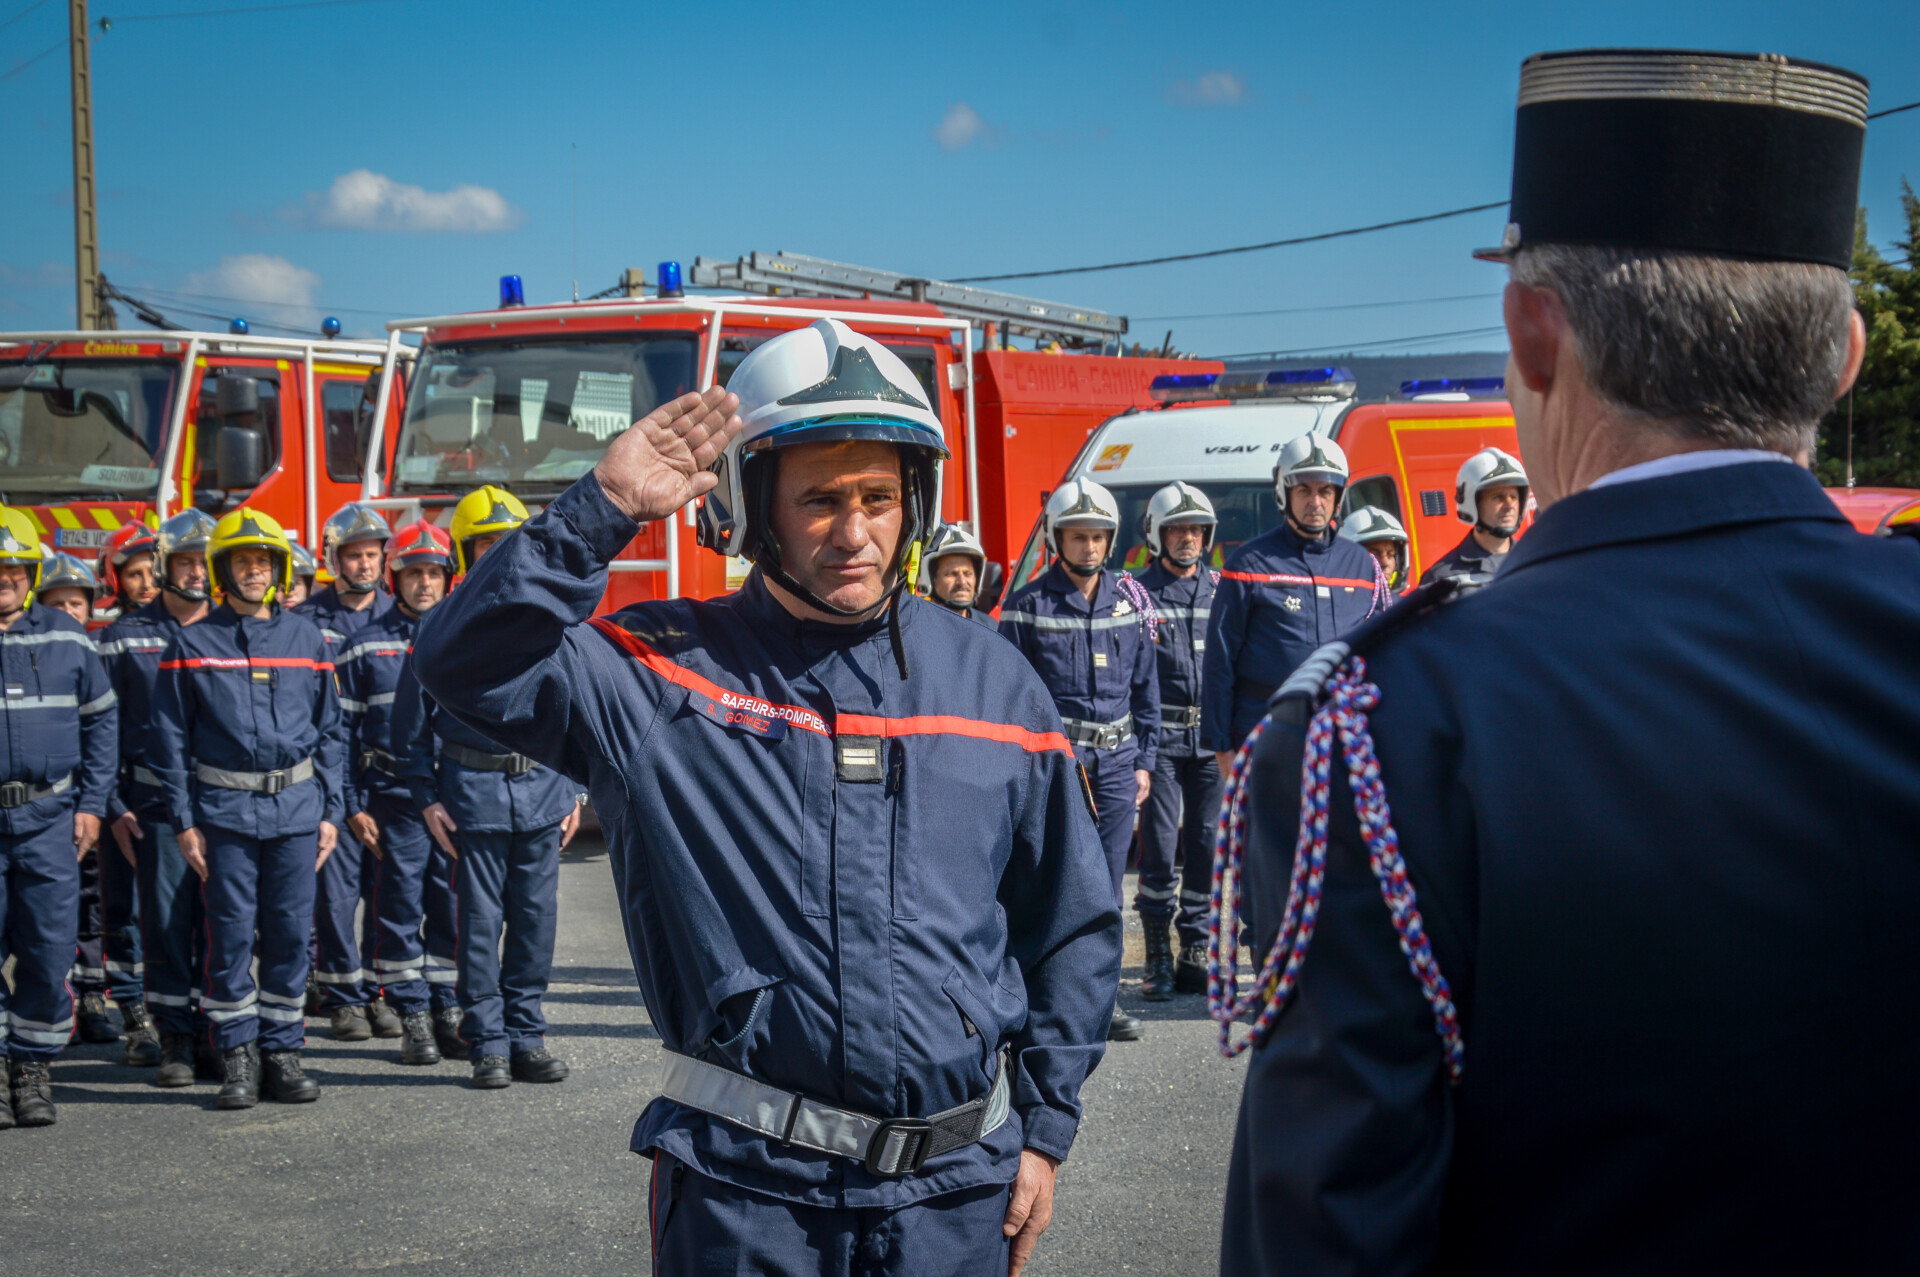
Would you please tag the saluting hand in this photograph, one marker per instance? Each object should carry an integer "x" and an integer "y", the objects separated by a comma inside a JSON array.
[{"x": 660, "y": 463}]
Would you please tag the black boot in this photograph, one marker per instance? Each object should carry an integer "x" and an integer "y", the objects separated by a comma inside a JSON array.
[
  {"x": 207, "y": 1063},
  {"x": 417, "y": 1045},
  {"x": 95, "y": 1025},
  {"x": 381, "y": 1017},
  {"x": 6, "y": 1107},
  {"x": 538, "y": 1065},
  {"x": 349, "y": 1024},
  {"x": 176, "y": 1060},
  {"x": 1190, "y": 973},
  {"x": 240, "y": 1077},
  {"x": 1157, "y": 984},
  {"x": 446, "y": 1031},
  {"x": 491, "y": 1072},
  {"x": 143, "y": 1044},
  {"x": 1124, "y": 1027},
  {"x": 32, "y": 1093},
  {"x": 282, "y": 1078}
]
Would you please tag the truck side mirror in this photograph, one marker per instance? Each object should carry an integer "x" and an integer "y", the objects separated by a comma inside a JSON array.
[
  {"x": 233, "y": 396},
  {"x": 240, "y": 458},
  {"x": 993, "y": 583},
  {"x": 14, "y": 376}
]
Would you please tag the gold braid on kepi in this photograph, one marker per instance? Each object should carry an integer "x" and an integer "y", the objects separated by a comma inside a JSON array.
[
  {"x": 486, "y": 511},
  {"x": 20, "y": 543},
  {"x": 247, "y": 528}
]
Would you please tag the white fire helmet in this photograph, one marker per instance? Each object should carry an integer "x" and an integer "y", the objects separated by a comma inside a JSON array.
[
  {"x": 1309, "y": 458},
  {"x": 1487, "y": 468},
  {"x": 1177, "y": 503},
  {"x": 1369, "y": 524},
  {"x": 951, "y": 538},
  {"x": 821, "y": 384},
  {"x": 1080, "y": 503}
]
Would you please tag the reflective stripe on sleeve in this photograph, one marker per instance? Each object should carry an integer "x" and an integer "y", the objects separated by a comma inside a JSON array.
[
  {"x": 99, "y": 704},
  {"x": 1071, "y": 622},
  {"x": 50, "y": 636}
]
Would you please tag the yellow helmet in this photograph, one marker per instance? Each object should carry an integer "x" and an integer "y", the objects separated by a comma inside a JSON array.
[
  {"x": 486, "y": 511},
  {"x": 20, "y": 543},
  {"x": 244, "y": 528}
]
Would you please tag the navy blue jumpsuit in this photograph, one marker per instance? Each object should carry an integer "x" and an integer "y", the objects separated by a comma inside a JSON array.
[
  {"x": 1466, "y": 563},
  {"x": 170, "y": 915},
  {"x": 1657, "y": 795},
  {"x": 863, "y": 889},
  {"x": 58, "y": 755},
  {"x": 1097, "y": 661},
  {"x": 108, "y": 958},
  {"x": 252, "y": 696},
  {"x": 348, "y": 875},
  {"x": 1183, "y": 806},
  {"x": 1280, "y": 596},
  {"x": 507, "y": 877}
]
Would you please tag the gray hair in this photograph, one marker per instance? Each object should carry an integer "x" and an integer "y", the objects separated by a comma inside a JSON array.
[{"x": 1736, "y": 353}]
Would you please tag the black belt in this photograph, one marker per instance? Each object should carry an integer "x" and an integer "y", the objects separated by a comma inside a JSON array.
[
  {"x": 511, "y": 764},
  {"x": 1112, "y": 735},
  {"x": 1255, "y": 688},
  {"x": 379, "y": 760},
  {"x": 18, "y": 793},
  {"x": 1179, "y": 717}
]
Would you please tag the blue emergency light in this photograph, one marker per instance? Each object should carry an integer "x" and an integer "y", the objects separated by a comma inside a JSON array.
[
  {"x": 1184, "y": 387},
  {"x": 1464, "y": 386},
  {"x": 511, "y": 293},
  {"x": 1325, "y": 382},
  {"x": 238, "y": 327},
  {"x": 329, "y": 327},
  {"x": 669, "y": 275}
]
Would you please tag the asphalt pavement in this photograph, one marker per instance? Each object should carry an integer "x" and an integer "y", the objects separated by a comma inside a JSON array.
[{"x": 403, "y": 1168}]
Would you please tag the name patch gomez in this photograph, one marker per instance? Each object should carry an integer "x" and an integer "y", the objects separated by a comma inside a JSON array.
[{"x": 738, "y": 712}]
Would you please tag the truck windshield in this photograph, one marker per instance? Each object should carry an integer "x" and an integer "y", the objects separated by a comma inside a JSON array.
[
  {"x": 82, "y": 429},
  {"x": 1245, "y": 509},
  {"x": 532, "y": 415}
]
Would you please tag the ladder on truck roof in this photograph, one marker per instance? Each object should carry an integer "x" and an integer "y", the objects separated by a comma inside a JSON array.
[{"x": 794, "y": 274}]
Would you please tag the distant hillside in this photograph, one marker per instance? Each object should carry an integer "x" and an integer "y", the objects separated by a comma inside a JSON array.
[{"x": 1380, "y": 376}]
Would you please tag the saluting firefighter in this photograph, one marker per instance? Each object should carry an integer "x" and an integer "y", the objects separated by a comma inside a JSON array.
[
  {"x": 171, "y": 917},
  {"x": 1184, "y": 801},
  {"x": 865, "y": 899},
  {"x": 246, "y": 743},
  {"x": 384, "y": 817},
  {"x": 57, "y": 757},
  {"x": 1490, "y": 495},
  {"x": 1384, "y": 538},
  {"x": 954, "y": 568},
  {"x": 1645, "y": 813},
  {"x": 1091, "y": 645},
  {"x": 504, "y": 819},
  {"x": 1283, "y": 594},
  {"x": 353, "y": 542}
]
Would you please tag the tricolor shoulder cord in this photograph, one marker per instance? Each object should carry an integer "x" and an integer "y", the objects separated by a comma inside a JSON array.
[
  {"x": 1136, "y": 594},
  {"x": 1342, "y": 714}
]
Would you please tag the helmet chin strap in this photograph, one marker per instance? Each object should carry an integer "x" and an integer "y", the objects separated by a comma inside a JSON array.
[
  {"x": 1304, "y": 531},
  {"x": 182, "y": 592},
  {"x": 356, "y": 587},
  {"x": 1481, "y": 525}
]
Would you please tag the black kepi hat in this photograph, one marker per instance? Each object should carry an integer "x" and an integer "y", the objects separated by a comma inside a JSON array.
[{"x": 1747, "y": 155}]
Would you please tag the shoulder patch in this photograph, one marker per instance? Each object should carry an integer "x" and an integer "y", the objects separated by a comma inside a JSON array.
[{"x": 1294, "y": 700}]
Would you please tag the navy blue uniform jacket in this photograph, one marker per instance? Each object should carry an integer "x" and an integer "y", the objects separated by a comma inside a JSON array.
[
  {"x": 869, "y": 931},
  {"x": 1184, "y": 605},
  {"x": 61, "y": 718},
  {"x": 131, "y": 648},
  {"x": 1094, "y": 656},
  {"x": 367, "y": 668},
  {"x": 1466, "y": 563},
  {"x": 1279, "y": 598},
  {"x": 248, "y": 694},
  {"x": 337, "y": 623},
  {"x": 1657, "y": 789}
]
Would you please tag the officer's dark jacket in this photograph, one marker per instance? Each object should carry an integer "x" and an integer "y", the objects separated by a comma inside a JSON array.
[
  {"x": 1279, "y": 598},
  {"x": 486, "y": 802},
  {"x": 1466, "y": 563},
  {"x": 1184, "y": 605},
  {"x": 248, "y": 694},
  {"x": 339, "y": 623},
  {"x": 837, "y": 881},
  {"x": 367, "y": 668},
  {"x": 1658, "y": 790},
  {"x": 131, "y": 648},
  {"x": 61, "y": 718},
  {"x": 1094, "y": 656}
]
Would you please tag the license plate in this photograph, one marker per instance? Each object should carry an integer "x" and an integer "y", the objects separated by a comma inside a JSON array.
[{"x": 81, "y": 538}]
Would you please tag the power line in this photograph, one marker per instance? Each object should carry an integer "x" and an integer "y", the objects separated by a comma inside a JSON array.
[
  {"x": 23, "y": 13},
  {"x": 1337, "y": 347},
  {"x": 1223, "y": 252},
  {"x": 1893, "y": 110},
  {"x": 18, "y": 67},
  {"x": 244, "y": 302},
  {"x": 1314, "y": 310},
  {"x": 107, "y": 23}
]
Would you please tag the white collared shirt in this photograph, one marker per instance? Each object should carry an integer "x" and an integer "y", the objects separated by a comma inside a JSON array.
[{"x": 1686, "y": 462}]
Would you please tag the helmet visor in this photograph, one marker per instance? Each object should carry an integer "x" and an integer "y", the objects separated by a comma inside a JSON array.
[{"x": 847, "y": 427}]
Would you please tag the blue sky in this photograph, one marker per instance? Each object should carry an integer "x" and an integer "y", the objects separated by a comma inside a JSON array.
[{"x": 391, "y": 158}]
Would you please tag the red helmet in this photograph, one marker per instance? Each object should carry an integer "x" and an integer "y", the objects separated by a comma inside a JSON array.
[
  {"x": 130, "y": 539},
  {"x": 414, "y": 545}
]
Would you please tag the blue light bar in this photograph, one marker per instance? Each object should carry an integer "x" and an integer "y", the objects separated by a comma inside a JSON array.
[
  {"x": 1184, "y": 387},
  {"x": 1453, "y": 386},
  {"x": 329, "y": 327},
  {"x": 1321, "y": 384},
  {"x": 670, "y": 280},
  {"x": 239, "y": 327},
  {"x": 1308, "y": 376},
  {"x": 511, "y": 293}
]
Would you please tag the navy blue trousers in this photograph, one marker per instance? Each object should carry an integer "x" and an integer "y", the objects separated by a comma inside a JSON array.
[
  {"x": 1182, "y": 811},
  {"x": 397, "y": 904},
  {"x": 336, "y": 950},
  {"x": 441, "y": 935},
  {"x": 510, "y": 882},
  {"x": 702, "y": 1226},
  {"x": 39, "y": 924},
  {"x": 172, "y": 929},
  {"x": 259, "y": 894},
  {"x": 89, "y": 974},
  {"x": 121, "y": 951},
  {"x": 1110, "y": 775}
]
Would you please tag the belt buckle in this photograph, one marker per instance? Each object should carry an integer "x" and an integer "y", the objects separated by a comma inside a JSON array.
[
  {"x": 1109, "y": 738},
  {"x": 13, "y": 794},
  {"x": 272, "y": 783},
  {"x": 917, "y": 1135},
  {"x": 519, "y": 765}
]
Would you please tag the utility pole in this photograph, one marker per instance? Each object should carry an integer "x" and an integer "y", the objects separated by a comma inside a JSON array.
[{"x": 90, "y": 308}]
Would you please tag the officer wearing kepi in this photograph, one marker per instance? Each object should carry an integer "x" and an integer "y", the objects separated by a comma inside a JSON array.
[
  {"x": 1637, "y": 999},
  {"x": 955, "y": 569},
  {"x": 171, "y": 918},
  {"x": 1283, "y": 594},
  {"x": 57, "y": 759},
  {"x": 504, "y": 819},
  {"x": 1184, "y": 802},
  {"x": 867, "y": 905},
  {"x": 1090, "y": 640},
  {"x": 1491, "y": 496},
  {"x": 246, "y": 743}
]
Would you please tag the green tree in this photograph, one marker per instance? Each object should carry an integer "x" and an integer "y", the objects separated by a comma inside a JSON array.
[{"x": 1886, "y": 399}]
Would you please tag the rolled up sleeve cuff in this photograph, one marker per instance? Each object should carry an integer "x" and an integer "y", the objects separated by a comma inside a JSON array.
[
  {"x": 587, "y": 509},
  {"x": 1049, "y": 1130}
]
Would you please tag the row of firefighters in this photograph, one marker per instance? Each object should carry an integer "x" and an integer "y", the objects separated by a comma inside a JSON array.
[{"x": 243, "y": 764}]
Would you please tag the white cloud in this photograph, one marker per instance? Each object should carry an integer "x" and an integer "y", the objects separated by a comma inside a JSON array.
[
  {"x": 960, "y": 126},
  {"x": 261, "y": 280},
  {"x": 1215, "y": 88},
  {"x": 367, "y": 201}
]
